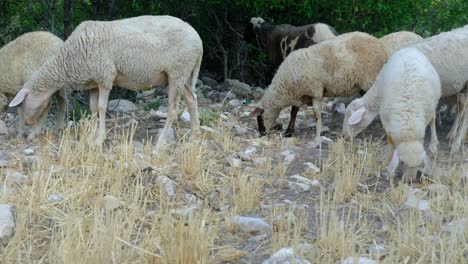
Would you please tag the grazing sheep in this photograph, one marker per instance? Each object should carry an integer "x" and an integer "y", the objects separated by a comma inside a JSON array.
[
  {"x": 409, "y": 95},
  {"x": 280, "y": 40},
  {"x": 135, "y": 53},
  {"x": 20, "y": 58},
  {"x": 396, "y": 40},
  {"x": 339, "y": 67},
  {"x": 448, "y": 53}
]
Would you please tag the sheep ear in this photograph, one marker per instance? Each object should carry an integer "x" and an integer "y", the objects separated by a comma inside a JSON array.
[
  {"x": 19, "y": 98},
  {"x": 257, "y": 112},
  {"x": 356, "y": 116}
]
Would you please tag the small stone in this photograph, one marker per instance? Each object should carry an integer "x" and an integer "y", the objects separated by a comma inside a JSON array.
[
  {"x": 234, "y": 103},
  {"x": 247, "y": 154},
  {"x": 240, "y": 130},
  {"x": 285, "y": 256},
  {"x": 298, "y": 186},
  {"x": 289, "y": 159},
  {"x": 3, "y": 128},
  {"x": 360, "y": 260},
  {"x": 289, "y": 142},
  {"x": 310, "y": 167},
  {"x": 415, "y": 202},
  {"x": 457, "y": 226},
  {"x": 168, "y": 184},
  {"x": 208, "y": 81},
  {"x": 185, "y": 116},
  {"x": 55, "y": 198},
  {"x": 121, "y": 106},
  {"x": 7, "y": 223},
  {"x": 305, "y": 180},
  {"x": 29, "y": 152},
  {"x": 158, "y": 113},
  {"x": 437, "y": 188},
  {"x": 238, "y": 87},
  {"x": 184, "y": 212},
  {"x": 3, "y": 163},
  {"x": 340, "y": 108},
  {"x": 209, "y": 130},
  {"x": 258, "y": 93},
  {"x": 111, "y": 203},
  {"x": 233, "y": 162},
  {"x": 377, "y": 251},
  {"x": 260, "y": 161},
  {"x": 250, "y": 225},
  {"x": 16, "y": 177},
  {"x": 258, "y": 238}
]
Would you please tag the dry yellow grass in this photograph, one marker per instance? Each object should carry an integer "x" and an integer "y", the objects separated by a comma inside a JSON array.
[{"x": 347, "y": 214}]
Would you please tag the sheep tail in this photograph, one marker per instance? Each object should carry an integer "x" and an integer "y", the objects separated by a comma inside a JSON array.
[
  {"x": 195, "y": 72},
  {"x": 411, "y": 153}
]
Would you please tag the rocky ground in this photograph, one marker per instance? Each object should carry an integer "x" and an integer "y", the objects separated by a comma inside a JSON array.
[{"x": 229, "y": 196}]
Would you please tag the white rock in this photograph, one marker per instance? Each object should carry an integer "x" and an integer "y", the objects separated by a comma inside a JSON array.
[
  {"x": 185, "y": 116},
  {"x": 209, "y": 130},
  {"x": 3, "y": 128},
  {"x": 240, "y": 129},
  {"x": 158, "y": 113},
  {"x": 7, "y": 223},
  {"x": 310, "y": 167},
  {"x": 377, "y": 251},
  {"x": 111, "y": 203},
  {"x": 168, "y": 184},
  {"x": 437, "y": 188},
  {"x": 360, "y": 260},
  {"x": 299, "y": 186},
  {"x": 285, "y": 256},
  {"x": 234, "y": 103},
  {"x": 3, "y": 163},
  {"x": 289, "y": 159},
  {"x": 340, "y": 108},
  {"x": 259, "y": 161},
  {"x": 247, "y": 154},
  {"x": 250, "y": 225},
  {"x": 55, "y": 198},
  {"x": 415, "y": 202},
  {"x": 233, "y": 162},
  {"x": 16, "y": 177},
  {"x": 184, "y": 212},
  {"x": 29, "y": 151},
  {"x": 305, "y": 180},
  {"x": 457, "y": 226},
  {"x": 121, "y": 106}
]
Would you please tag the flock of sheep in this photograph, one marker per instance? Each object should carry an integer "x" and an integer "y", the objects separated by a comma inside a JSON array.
[{"x": 402, "y": 75}]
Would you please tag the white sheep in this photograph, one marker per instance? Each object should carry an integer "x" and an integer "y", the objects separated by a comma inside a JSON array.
[
  {"x": 396, "y": 40},
  {"x": 136, "y": 53},
  {"x": 448, "y": 53},
  {"x": 20, "y": 58},
  {"x": 409, "y": 95},
  {"x": 339, "y": 67}
]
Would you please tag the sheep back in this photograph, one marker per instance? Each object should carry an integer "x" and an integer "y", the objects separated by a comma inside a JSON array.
[
  {"x": 448, "y": 53},
  {"x": 399, "y": 39},
  {"x": 337, "y": 67},
  {"x": 135, "y": 53},
  {"x": 23, "y": 56}
]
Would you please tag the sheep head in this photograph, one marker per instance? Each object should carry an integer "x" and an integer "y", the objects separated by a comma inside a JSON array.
[
  {"x": 268, "y": 123},
  {"x": 357, "y": 118},
  {"x": 33, "y": 105},
  {"x": 254, "y": 24}
]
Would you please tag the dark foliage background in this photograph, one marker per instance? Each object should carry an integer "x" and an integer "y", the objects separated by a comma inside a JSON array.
[{"x": 221, "y": 23}]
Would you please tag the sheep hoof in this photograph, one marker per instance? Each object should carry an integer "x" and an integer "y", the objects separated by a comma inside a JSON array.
[
  {"x": 277, "y": 127},
  {"x": 288, "y": 133},
  {"x": 433, "y": 148}
]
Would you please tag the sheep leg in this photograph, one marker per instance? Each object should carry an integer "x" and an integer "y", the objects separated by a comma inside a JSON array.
[
  {"x": 434, "y": 144},
  {"x": 20, "y": 123},
  {"x": 104, "y": 91},
  {"x": 393, "y": 163},
  {"x": 390, "y": 150},
  {"x": 318, "y": 117},
  {"x": 410, "y": 174},
  {"x": 173, "y": 98},
  {"x": 292, "y": 121},
  {"x": 462, "y": 124},
  {"x": 36, "y": 130},
  {"x": 93, "y": 101},
  {"x": 62, "y": 111},
  {"x": 191, "y": 99}
]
